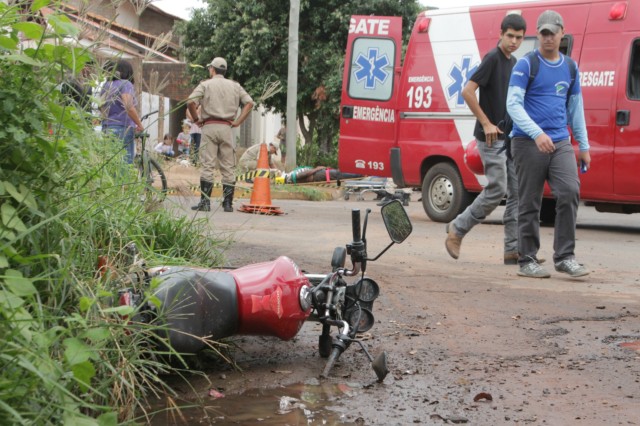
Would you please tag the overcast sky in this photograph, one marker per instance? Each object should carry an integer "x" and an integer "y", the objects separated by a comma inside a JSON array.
[{"x": 182, "y": 8}]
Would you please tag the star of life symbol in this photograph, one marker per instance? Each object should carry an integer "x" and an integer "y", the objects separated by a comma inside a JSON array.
[
  {"x": 372, "y": 68},
  {"x": 460, "y": 75}
]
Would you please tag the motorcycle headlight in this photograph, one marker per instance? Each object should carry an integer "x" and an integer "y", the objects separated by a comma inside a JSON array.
[{"x": 305, "y": 298}]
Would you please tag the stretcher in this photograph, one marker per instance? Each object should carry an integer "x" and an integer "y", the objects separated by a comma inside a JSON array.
[{"x": 384, "y": 188}]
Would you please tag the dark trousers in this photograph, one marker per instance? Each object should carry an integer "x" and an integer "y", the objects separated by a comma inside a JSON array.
[
  {"x": 560, "y": 170},
  {"x": 195, "y": 138}
]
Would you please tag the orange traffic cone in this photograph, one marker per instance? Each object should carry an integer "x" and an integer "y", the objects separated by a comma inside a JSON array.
[{"x": 261, "y": 196}]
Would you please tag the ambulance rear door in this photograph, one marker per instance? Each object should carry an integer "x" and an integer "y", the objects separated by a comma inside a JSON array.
[
  {"x": 368, "y": 115},
  {"x": 627, "y": 121}
]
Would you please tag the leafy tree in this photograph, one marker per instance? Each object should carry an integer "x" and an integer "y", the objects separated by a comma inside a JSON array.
[{"x": 253, "y": 36}]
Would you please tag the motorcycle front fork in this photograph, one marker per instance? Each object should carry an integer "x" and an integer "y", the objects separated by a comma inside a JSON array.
[
  {"x": 334, "y": 347},
  {"x": 324, "y": 341}
]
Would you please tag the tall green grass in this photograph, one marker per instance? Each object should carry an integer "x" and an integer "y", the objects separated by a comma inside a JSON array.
[{"x": 67, "y": 354}]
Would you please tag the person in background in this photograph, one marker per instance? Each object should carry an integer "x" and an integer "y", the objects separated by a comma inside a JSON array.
[
  {"x": 165, "y": 147},
  {"x": 249, "y": 160},
  {"x": 119, "y": 104},
  {"x": 77, "y": 90},
  {"x": 196, "y": 134},
  {"x": 282, "y": 137},
  {"x": 492, "y": 77},
  {"x": 542, "y": 151},
  {"x": 306, "y": 174},
  {"x": 219, "y": 99},
  {"x": 184, "y": 139}
]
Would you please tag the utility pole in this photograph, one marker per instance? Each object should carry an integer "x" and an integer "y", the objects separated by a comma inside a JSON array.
[{"x": 292, "y": 85}]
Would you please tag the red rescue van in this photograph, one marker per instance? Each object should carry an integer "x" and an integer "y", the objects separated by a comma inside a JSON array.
[{"x": 406, "y": 118}]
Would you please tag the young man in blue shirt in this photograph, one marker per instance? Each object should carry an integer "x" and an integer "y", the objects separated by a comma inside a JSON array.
[{"x": 542, "y": 151}]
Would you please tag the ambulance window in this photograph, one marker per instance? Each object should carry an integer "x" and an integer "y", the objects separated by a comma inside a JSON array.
[
  {"x": 528, "y": 44},
  {"x": 371, "y": 69},
  {"x": 565, "y": 45},
  {"x": 531, "y": 43},
  {"x": 634, "y": 72}
]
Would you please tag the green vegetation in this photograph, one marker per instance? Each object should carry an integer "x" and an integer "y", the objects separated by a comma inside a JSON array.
[
  {"x": 309, "y": 192},
  {"x": 67, "y": 199}
]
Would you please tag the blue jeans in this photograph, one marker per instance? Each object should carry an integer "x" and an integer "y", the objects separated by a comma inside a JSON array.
[
  {"x": 195, "y": 137},
  {"x": 502, "y": 181},
  {"x": 126, "y": 135}
]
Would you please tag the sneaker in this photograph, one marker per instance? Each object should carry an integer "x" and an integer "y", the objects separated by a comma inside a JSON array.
[
  {"x": 453, "y": 241},
  {"x": 571, "y": 267},
  {"x": 533, "y": 270}
]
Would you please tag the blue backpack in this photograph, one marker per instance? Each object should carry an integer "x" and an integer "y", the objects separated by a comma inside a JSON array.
[{"x": 506, "y": 125}]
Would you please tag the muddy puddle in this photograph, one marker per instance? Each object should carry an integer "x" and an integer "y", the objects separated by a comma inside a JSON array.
[{"x": 310, "y": 403}]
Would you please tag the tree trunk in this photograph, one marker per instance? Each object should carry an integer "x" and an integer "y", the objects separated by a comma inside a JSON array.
[{"x": 307, "y": 133}]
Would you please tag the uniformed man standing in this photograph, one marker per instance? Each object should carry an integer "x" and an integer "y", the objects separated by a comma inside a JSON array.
[{"x": 219, "y": 99}]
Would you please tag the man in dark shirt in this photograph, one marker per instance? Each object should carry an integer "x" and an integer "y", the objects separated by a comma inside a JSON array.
[{"x": 492, "y": 77}]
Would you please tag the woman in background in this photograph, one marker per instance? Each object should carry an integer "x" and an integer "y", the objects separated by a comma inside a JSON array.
[{"x": 119, "y": 113}]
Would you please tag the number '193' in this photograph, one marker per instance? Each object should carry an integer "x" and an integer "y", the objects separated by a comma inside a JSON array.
[{"x": 375, "y": 165}]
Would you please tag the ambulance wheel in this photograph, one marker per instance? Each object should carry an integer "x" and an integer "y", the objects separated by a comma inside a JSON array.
[{"x": 443, "y": 194}]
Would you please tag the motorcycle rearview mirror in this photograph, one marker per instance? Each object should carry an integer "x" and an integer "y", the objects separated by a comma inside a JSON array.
[
  {"x": 339, "y": 258},
  {"x": 397, "y": 221}
]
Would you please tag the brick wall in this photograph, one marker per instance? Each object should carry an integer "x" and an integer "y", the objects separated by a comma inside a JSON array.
[{"x": 178, "y": 87}]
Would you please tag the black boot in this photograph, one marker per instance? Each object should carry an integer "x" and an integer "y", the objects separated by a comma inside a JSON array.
[
  {"x": 205, "y": 197},
  {"x": 227, "y": 203}
]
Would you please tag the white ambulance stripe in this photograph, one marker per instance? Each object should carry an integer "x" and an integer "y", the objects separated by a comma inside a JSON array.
[{"x": 454, "y": 33}]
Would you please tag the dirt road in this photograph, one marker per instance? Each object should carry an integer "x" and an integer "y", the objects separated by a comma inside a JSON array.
[{"x": 543, "y": 351}]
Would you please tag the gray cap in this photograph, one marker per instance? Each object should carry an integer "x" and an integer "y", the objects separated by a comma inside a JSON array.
[
  {"x": 219, "y": 63},
  {"x": 550, "y": 20}
]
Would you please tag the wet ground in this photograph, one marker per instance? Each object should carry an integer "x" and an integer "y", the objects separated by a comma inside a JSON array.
[{"x": 468, "y": 341}]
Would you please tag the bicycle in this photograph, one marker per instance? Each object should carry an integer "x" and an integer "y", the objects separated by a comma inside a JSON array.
[{"x": 149, "y": 169}]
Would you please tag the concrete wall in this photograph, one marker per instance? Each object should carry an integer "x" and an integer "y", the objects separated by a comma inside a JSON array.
[
  {"x": 125, "y": 14},
  {"x": 156, "y": 127}
]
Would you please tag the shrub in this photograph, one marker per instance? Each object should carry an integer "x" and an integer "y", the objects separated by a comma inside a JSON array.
[{"x": 66, "y": 198}]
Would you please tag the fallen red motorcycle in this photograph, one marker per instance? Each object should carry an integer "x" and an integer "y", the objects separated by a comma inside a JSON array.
[{"x": 272, "y": 298}]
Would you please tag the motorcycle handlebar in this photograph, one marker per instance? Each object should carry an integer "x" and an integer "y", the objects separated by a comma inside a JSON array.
[
  {"x": 144, "y": 117},
  {"x": 335, "y": 353},
  {"x": 357, "y": 248},
  {"x": 355, "y": 225}
]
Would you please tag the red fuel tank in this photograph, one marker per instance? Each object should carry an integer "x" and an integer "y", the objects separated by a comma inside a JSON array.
[{"x": 269, "y": 298}]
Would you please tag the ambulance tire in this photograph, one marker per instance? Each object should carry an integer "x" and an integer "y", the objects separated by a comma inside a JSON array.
[
  {"x": 548, "y": 211},
  {"x": 443, "y": 195}
]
